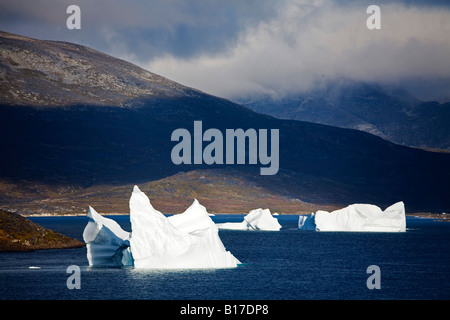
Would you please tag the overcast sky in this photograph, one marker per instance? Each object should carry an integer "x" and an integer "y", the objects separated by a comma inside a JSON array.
[{"x": 233, "y": 48}]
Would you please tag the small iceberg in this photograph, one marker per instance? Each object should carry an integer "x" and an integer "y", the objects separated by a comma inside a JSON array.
[
  {"x": 306, "y": 222},
  {"x": 187, "y": 240},
  {"x": 357, "y": 217},
  {"x": 258, "y": 219}
]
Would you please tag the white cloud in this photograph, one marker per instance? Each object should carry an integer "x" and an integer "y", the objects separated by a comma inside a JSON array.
[{"x": 311, "y": 41}]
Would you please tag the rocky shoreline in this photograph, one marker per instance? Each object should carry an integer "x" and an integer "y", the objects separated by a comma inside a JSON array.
[
  {"x": 437, "y": 216},
  {"x": 18, "y": 233}
]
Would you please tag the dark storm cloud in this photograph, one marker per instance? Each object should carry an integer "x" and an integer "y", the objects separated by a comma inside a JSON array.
[
  {"x": 310, "y": 42},
  {"x": 140, "y": 28}
]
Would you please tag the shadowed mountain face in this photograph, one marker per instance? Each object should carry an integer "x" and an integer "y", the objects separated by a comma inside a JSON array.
[{"x": 66, "y": 139}]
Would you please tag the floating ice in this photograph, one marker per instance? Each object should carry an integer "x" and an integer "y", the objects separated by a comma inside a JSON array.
[
  {"x": 357, "y": 217},
  {"x": 307, "y": 222},
  {"x": 257, "y": 219},
  {"x": 187, "y": 240},
  {"x": 107, "y": 243}
]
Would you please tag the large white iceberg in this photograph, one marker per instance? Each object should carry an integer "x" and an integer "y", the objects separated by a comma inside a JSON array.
[
  {"x": 107, "y": 243},
  {"x": 187, "y": 240},
  {"x": 357, "y": 217},
  {"x": 257, "y": 219}
]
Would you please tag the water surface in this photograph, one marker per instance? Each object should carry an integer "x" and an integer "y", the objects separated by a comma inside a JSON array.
[{"x": 289, "y": 264}]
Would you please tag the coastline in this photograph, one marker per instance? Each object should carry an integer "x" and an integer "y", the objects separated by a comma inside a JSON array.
[{"x": 424, "y": 215}]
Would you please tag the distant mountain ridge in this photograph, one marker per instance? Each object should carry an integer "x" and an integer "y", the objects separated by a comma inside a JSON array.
[
  {"x": 99, "y": 133},
  {"x": 392, "y": 114},
  {"x": 54, "y": 73}
]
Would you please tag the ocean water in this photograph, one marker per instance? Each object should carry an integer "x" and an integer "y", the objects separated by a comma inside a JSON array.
[{"x": 287, "y": 265}]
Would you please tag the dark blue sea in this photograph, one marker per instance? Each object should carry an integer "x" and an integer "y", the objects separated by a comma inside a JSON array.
[{"x": 288, "y": 265}]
